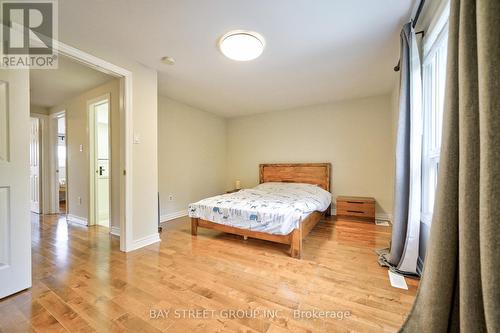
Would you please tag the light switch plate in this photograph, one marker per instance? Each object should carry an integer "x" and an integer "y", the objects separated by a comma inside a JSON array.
[{"x": 137, "y": 138}]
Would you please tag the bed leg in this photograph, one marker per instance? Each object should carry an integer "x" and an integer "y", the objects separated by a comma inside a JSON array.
[
  {"x": 328, "y": 211},
  {"x": 296, "y": 243},
  {"x": 194, "y": 226}
]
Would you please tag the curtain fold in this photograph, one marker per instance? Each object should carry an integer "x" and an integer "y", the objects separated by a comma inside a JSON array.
[
  {"x": 459, "y": 290},
  {"x": 403, "y": 253},
  {"x": 408, "y": 261}
]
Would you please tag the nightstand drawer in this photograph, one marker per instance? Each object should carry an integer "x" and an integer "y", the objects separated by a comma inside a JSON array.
[{"x": 353, "y": 211}]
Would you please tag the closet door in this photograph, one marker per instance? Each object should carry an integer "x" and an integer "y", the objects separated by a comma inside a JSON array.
[{"x": 15, "y": 226}]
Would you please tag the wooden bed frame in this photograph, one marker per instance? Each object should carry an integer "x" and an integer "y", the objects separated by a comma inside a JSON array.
[{"x": 310, "y": 173}]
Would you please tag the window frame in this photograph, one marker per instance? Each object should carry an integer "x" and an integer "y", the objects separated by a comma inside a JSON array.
[{"x": 433, "y": 84}]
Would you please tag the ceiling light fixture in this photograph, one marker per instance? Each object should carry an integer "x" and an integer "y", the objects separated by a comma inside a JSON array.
[
  {"x": 167, "y": 60},
  {"x": 242, "y": 45}
]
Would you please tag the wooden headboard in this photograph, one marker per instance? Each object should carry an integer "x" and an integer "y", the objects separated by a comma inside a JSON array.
[{"x": 309, "y": 173}]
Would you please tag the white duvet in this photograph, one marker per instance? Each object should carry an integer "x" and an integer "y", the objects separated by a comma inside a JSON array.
[{"x": 274, "y": 208}]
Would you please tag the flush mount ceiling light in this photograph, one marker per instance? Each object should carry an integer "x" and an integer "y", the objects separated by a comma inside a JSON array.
[
  {"x": 241, "y": 45},
  {"x": 167, "y": 60}
]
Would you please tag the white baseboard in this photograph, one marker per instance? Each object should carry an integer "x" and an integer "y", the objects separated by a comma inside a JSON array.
[
  {"x": 115, "y": 231},
  {"x": 384, "y": 217},
  {"x": 77, "y": 219},
  {"x": 172, "y": 216},
  {"x": 145, "y": 241}
]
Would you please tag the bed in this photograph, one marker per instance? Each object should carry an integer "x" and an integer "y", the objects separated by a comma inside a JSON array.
[{"x": 286, "y": 205}]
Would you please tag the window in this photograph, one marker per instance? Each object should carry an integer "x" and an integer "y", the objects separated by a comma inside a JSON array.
[
  {"x": 61, "y": 155},
  {"x": 434, "y": 79}
]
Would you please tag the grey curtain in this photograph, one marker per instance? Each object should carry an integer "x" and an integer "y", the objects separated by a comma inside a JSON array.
[
  {"x": 459, "y": 290},
  {"x": 403, "y": 253},
  {"x": 402, "y": 172}
]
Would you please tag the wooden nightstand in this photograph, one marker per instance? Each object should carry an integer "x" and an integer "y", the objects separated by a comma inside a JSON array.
[{"x": 358, "y": 207}]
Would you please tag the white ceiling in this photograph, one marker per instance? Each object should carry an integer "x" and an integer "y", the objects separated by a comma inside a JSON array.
[
  {"x": 49, "y": 88},
  {"x": 316, "y": 51}
]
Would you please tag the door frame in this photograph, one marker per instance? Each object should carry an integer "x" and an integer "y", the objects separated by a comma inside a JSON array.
[
  {"x": 39, "y": 165},
  {"x": 45, "y": 161},
  {"x": 92, "y": 158},
  {"x": 126, "y": 134}
]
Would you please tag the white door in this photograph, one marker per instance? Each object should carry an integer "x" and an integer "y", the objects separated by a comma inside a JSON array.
[
  {"x": 15, "y": 227},
  {"x": 99, "y": 115},
  {"x": 61, "y": 184},
  {"x": 35, "y": 165}
]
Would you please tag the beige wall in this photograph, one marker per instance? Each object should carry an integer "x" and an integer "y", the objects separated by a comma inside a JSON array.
[
  {"x": 144, "y": 154},
  {"x": 78, "y": 168},
  {"x": 356, "y": 136},
  {"x": 191, "y": 155}
]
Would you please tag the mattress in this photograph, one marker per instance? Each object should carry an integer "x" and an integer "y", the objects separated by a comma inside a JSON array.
[{"x": 273, "y": 208}]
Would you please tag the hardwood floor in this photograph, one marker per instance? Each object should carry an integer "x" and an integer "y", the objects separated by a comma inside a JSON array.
[{"x": 83, "y": 283}]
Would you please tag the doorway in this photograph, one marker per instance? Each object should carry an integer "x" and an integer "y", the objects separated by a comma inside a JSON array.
[
  {"x": 100, "y": 161},
  {"x": 61, "y": 164},
  {"x": 15, "y": 98}
]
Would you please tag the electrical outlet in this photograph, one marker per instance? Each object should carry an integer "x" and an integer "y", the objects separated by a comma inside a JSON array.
[{"x": 170, "y": 197}]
